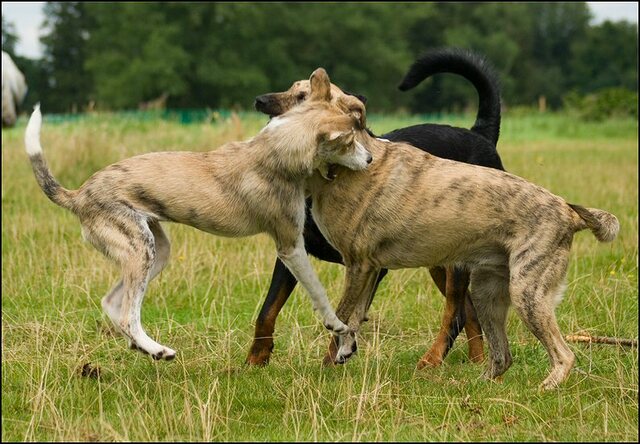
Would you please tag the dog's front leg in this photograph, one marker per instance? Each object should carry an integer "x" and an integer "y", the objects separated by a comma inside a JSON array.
[
  {"x": 296, "y": 259},
  {"x": 360, "y": 282}
]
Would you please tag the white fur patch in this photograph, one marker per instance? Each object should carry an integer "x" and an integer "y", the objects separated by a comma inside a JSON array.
[
  {"x": 559, "y": 293},
  {"x": 276, "y": 122},
  {"x": 383, "y": 140},
  {"x": 32, "y": 133}
]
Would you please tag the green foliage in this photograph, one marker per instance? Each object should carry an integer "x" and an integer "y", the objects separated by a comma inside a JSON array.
[
  {"x": 607, "y": 57},
  {"x": 140, "y": 64},
  {"x": 69, "y": 85},
  {"x": 9, "y": 38},
  {"x": 224, "y": 54},
  {"x": 606, "y": 103}
]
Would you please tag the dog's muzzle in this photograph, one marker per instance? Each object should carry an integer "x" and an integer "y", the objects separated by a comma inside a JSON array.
[
  {"x": 266, "y": 105},
  {"x": 261, "y": 103}
]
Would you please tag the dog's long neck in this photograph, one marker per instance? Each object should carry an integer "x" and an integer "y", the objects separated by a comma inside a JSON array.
[{"x": 287, "y": 146}]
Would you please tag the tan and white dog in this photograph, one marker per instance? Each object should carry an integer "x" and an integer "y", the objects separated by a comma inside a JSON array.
[
  {"x": 239, "y": 189},
  {"x": 412, "y": 209}
]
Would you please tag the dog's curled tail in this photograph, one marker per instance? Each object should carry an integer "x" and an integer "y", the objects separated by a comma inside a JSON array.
[
  {"x": 473, "y": 67},
  {"x": 47, "y": 182},
  {"x": 603, "y": 225}
]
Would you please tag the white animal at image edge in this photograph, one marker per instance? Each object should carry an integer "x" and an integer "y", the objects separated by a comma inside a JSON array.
[{"x": 14, "y": 89}]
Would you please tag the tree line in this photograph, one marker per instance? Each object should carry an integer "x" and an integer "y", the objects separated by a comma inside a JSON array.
[{"x": 222, "y": 55}]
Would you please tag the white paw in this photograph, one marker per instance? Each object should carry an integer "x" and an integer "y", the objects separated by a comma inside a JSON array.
[
  {"x": 336, "y": 326},
  {"x": 150, "y": 347}
]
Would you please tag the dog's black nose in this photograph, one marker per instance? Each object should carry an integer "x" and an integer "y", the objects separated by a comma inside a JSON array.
[
  {"x": 261, "y": 102},
  {"x": 369, "y": 159}
]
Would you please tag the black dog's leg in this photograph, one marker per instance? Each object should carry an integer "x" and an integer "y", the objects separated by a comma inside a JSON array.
[
  {"x": 282, "y": 285},
  {"x": 452, "y": 283}
]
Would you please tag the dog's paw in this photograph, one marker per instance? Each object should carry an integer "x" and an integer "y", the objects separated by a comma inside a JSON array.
[
  {"x": 167, "y": 354},
  {"x": 157, "y": 353},
  {"x": 497, "y": 365},
  {"x": 347, "y": 347},
  {"x": 429, "y": 362},
  {"x": 336, "y": 326}
]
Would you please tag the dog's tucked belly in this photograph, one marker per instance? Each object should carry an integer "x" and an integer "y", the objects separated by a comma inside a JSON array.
[
  {"x": 411, "y": 210},
  {"x": 421, "y": 248},
  {"x": 397, "y": 255},
  {"x": 209, "y": 210},
  {"x": 183, "y": 188}
]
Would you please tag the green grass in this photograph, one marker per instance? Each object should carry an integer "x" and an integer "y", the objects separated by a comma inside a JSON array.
[{"x": 206, "y": 302}]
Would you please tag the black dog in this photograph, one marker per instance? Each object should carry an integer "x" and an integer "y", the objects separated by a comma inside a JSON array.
[{"x": 476, "y": 146}]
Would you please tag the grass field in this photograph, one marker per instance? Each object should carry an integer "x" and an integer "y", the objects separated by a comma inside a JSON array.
[{"x": 206, "y": 302}]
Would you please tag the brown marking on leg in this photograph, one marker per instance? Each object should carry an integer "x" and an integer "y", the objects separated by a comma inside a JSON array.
[
  {"x": 455, "y": 286},
  {"x": 473, "y": 330},
  {"x": 439, "y": 276},
  {"x": 330, "y": 358},
  {"x": 282, "y": 285}
]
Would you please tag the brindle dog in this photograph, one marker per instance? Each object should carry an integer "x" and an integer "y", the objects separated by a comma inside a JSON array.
[{"x": 412, "y": 209}]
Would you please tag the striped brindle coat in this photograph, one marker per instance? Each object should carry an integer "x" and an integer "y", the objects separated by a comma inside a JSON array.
[{"x": 412, "y": 209}]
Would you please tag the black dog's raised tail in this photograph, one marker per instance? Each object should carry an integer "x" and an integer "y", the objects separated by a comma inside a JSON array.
[{"x": 472, "y": 67}]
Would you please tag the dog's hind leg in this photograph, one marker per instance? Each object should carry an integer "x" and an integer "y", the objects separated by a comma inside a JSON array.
[
  {"x": 162, "y": 247},
  {"x": 138, "y": 271},
  {"x": 130, "y": 240},
  {"x": 537, "y": 286},
  {"x": 490, "y": 296},
  {"x": 112, "y": 302},
  {"x": 282, "y": 285}
]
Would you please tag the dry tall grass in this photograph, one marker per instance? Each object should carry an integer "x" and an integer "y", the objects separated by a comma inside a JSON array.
[{"x": 66, "y": 377}]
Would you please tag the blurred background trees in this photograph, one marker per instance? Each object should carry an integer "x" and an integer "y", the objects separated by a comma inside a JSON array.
[{"x": 222, "y": 55}]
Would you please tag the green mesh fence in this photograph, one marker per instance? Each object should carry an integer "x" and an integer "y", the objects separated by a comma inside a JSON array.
[{"x": 205, "y": 115}]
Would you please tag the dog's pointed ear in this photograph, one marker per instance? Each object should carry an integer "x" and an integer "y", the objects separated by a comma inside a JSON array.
[
  {"x": 337, "y": 138},
  {"x": 359, "y": 115},
  {"x": 320, "y": 85},
  {"x": 360, "y": 97},
  {"x": 355, "y": 108}
]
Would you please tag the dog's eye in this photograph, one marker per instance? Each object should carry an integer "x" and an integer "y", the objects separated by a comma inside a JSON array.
[{"x": 301, "y": 96}]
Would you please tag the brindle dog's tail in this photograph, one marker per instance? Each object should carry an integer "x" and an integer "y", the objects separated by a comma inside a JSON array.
[
  {"x": 605, "y": 226},
  {"x": 472, "y": 67},
  {"x": 47, "y": 182}
]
